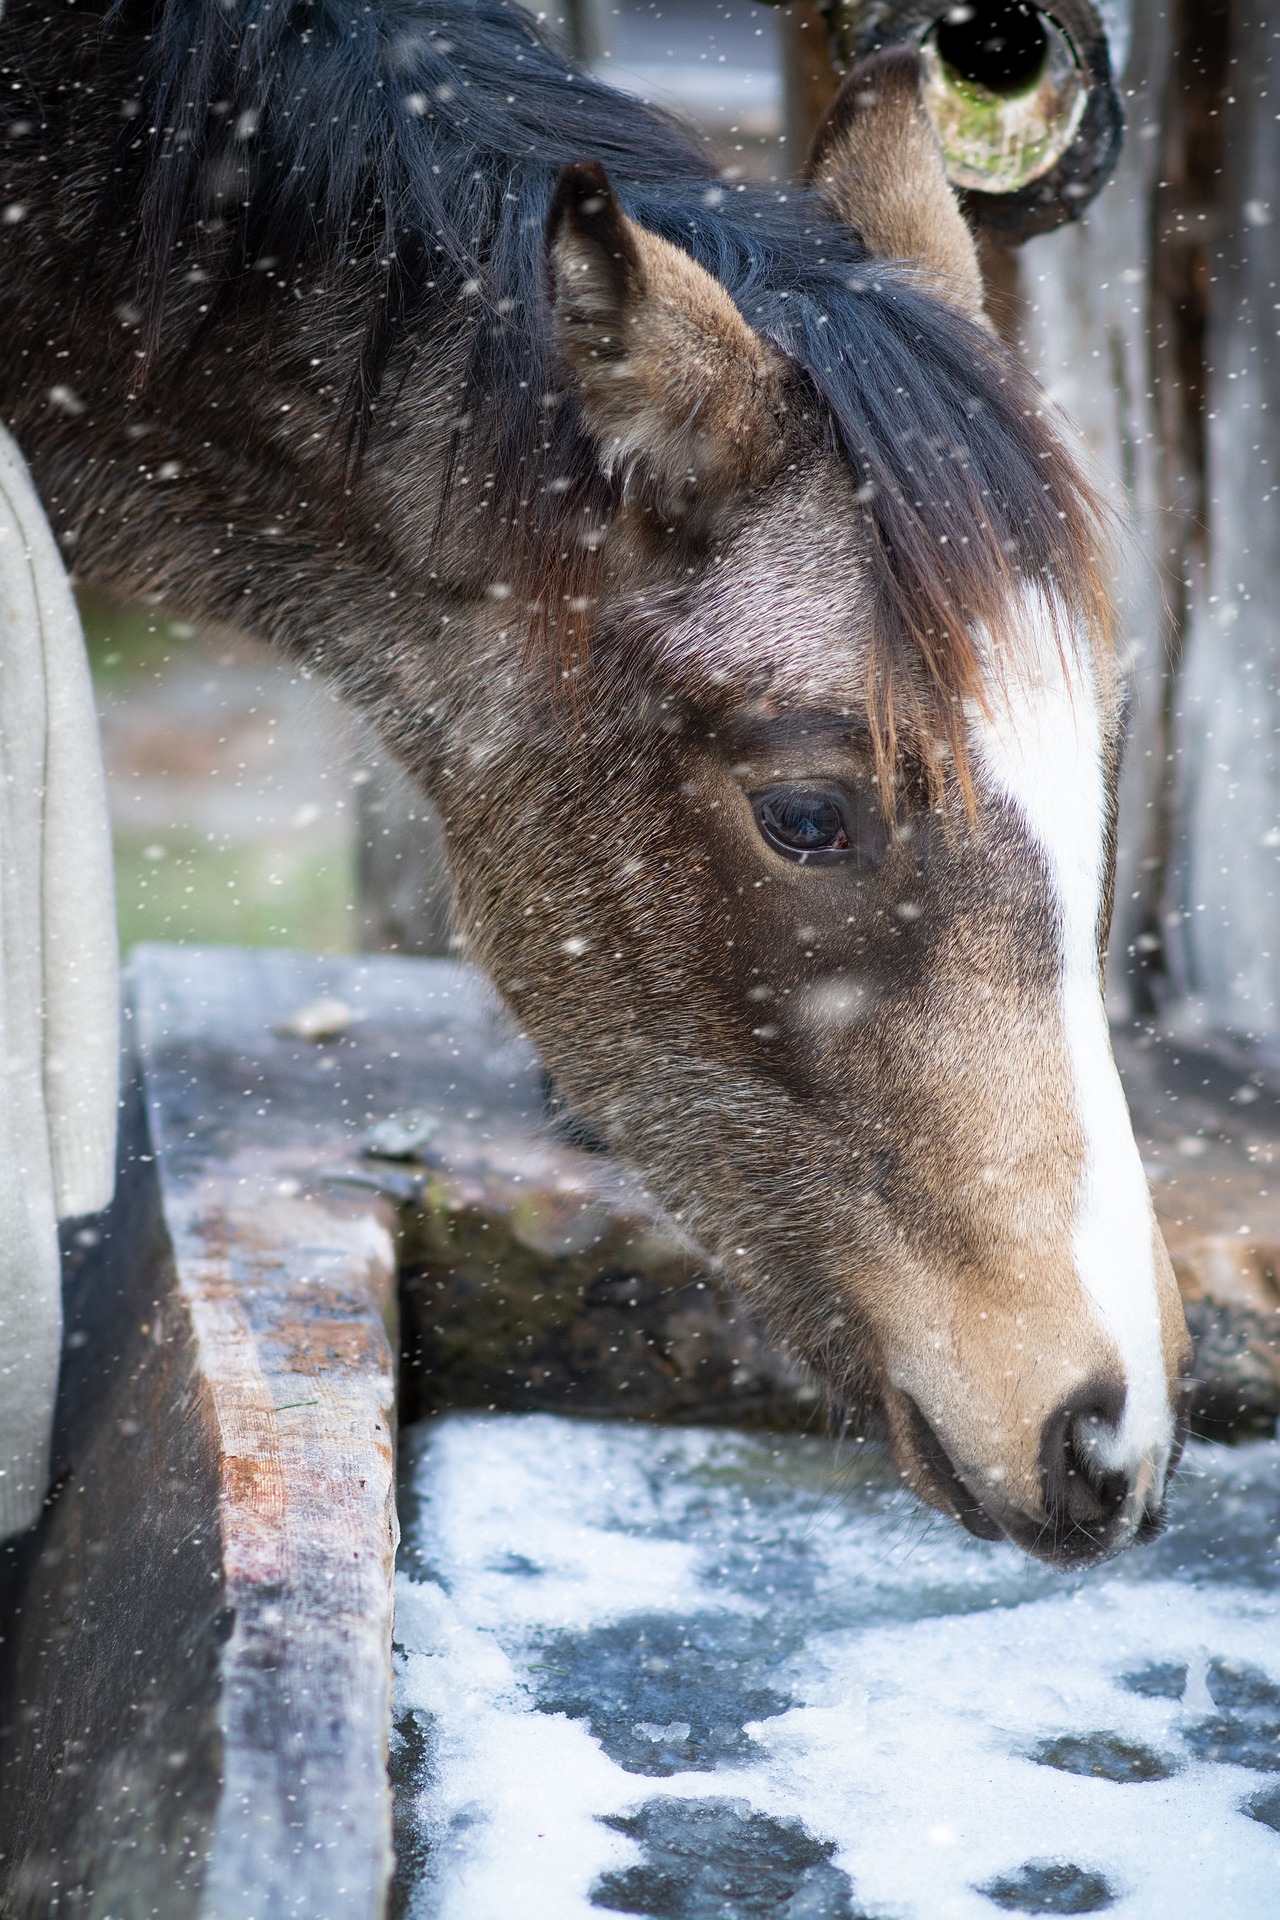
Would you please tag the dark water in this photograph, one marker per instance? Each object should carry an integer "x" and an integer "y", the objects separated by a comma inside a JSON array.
[
  {"x": 713, "y": 1859},
  {"x": 715, "y": 1676}
]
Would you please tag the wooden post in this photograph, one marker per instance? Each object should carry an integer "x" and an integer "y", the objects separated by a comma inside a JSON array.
[
  {"x": 1154, "y": 320},
  {"x": 810, "y": 76},
  {"x": 406, "y": 897},
  {"x": 1086, "y": 325},
  {"x": 1224, "y": 880}
]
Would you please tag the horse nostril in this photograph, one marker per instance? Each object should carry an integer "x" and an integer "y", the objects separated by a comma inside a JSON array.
[{"x": 1083, "y": 1497}]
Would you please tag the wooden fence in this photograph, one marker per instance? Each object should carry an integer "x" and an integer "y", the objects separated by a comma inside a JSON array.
[{"x": 1155, "y": 321}]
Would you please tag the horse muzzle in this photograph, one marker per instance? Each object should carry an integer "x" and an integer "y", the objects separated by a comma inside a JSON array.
[{"x": 1087, "y": 1497}]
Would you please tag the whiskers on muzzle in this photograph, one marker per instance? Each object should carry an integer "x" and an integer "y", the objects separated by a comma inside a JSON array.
[
  {"x": 1100, "y": 1495},
  {"x": 1092, "y": 1503},
  {"x": 1092, "y": 1507}
]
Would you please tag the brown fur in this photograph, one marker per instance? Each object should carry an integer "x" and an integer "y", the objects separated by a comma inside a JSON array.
[
  {"x": 876, "y": 157},
  {"x": 679, "y": 389}
]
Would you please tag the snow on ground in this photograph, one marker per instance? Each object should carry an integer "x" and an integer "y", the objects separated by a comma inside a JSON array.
[{"x": 713, "y": 1676}]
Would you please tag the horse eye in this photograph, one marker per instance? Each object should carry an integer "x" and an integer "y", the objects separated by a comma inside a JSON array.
[{"x": 804, "y": 823}]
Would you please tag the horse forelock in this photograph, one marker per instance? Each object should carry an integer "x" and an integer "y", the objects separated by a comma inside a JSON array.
[{"x": 411, "y": 152}]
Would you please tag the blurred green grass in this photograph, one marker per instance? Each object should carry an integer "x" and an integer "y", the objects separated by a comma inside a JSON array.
[
  {"x": 126, "y": 641},
  {"x": 193, "y": 881},
  {"x": 251, "y": 896}
]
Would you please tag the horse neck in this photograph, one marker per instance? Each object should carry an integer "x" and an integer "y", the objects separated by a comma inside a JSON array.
[{"x": 220, "y": 481}]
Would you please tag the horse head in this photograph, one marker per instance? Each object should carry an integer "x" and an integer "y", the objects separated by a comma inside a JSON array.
[
  {"x": 737, "y": 597},
  {"x": 811, "y": 919}
]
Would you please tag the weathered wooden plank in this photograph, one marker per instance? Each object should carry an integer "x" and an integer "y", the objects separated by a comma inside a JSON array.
[
  {"x": 289, "y": 1288},
  {"x": 198, "y": 1687}
]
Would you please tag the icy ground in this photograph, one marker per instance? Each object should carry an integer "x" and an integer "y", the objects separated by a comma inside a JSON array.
[{"x": 712, "y": 1676}]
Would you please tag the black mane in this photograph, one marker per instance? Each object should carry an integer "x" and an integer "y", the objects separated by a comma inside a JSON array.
[{"x": 410, "y": 150}]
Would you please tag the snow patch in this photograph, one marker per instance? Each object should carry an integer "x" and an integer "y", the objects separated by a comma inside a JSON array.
[{"x": 749, "y": 1645}]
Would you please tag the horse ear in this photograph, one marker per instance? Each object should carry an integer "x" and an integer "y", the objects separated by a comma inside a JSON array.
[
  {"x": 676, "y": 387},
  {"x": 876, "y": 159}
]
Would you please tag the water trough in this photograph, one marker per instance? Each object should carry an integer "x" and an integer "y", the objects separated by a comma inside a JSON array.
[{"x": 699, "y": 1661}]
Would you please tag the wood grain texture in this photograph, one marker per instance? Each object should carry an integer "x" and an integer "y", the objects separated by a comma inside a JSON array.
[{"x": 198, "y": 1684}]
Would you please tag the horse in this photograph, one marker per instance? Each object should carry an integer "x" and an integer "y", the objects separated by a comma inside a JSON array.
[{"x": 735, "y": 594}]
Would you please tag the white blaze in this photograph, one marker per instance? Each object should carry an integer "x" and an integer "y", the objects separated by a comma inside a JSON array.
[{"x": 1041, "y": 749}]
